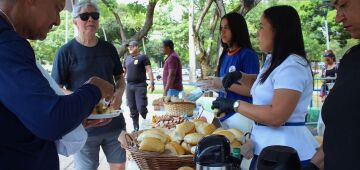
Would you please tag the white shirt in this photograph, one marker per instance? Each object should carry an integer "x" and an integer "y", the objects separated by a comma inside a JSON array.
[{"x": 295, "y": 74}]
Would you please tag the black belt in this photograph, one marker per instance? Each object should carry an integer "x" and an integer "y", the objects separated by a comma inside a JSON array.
[{"x": 285, "y": 124}]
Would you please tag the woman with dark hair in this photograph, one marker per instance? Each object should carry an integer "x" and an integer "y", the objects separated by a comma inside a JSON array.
[
  {"x": 237, "y": 55},
  {"x": 283, "y": 89}
]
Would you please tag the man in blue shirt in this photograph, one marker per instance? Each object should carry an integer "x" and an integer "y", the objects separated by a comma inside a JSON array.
[{"x": 32, "y": 116}]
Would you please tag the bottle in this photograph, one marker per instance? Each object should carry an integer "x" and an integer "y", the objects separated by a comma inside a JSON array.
[{"x": 236, "y": 153}]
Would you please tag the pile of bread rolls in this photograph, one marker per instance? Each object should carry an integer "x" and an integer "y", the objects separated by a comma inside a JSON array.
[{"x": 185, "y": 137}]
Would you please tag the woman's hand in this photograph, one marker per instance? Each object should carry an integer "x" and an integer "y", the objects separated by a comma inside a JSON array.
[
  {"x": 231, "y": 78},
  {"x": 223, "y": 105},
  {"x": 213, "y": 83}
]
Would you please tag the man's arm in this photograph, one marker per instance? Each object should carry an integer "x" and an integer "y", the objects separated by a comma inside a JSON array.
[
  {"x": 151, "y": 77},
  {"x": 119, "y": 91}
]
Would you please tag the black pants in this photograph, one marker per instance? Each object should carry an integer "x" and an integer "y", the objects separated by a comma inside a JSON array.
[{"x": 136, "y": 95}]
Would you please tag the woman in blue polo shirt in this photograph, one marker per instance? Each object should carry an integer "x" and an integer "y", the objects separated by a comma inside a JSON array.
[
  {"x": 283, "y": 89},
  {"x": 237, "y": 55}
]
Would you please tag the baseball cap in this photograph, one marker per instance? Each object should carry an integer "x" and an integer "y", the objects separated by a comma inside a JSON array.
[{"x": 132, "y": 43}]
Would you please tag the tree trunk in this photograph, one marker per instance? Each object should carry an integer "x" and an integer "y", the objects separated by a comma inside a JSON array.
[
  {"x": 140, "y": 34},
  {"x": 192, "y": 53}
]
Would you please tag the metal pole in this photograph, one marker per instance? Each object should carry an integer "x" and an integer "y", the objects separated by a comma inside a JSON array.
[
  {"x": 103, "y": 30},
  {"x": 66, "y": 26},
  {"x": 192, "y": 55},
  {"x": 327, "y": 32},
  {"x": 143, "y": 42}
]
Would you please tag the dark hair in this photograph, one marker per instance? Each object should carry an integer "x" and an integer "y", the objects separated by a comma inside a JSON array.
[
  {"x": 288, "y": 38},
  {"x": 239, "y": 31},
  {"x": 168, "y": 43}
]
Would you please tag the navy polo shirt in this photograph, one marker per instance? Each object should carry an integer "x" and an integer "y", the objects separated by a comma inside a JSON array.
[
  {"x": 136, "y": 68},
  {"x": 245, "y": 60},
  {"x": 32, "y": 116}
]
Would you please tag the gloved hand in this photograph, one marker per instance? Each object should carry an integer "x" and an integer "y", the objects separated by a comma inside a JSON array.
[
  {"x": 223, "y": 105},
  {"x": 231, "y": 78}
]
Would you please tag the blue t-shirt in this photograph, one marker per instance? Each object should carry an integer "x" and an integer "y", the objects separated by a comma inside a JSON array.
[
  {"x": 245, "y": 60},
  {"x": 32, "y": 116},
  {"x": 75, "y": 64}
]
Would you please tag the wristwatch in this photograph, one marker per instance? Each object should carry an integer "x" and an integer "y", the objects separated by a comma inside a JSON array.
[
  {"x": 152, "y": 83},
  {"x": 236, "y": 105}
]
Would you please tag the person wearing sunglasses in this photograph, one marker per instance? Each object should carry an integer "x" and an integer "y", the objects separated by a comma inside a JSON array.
[
  {"x": 85, "y": 56},
  {"x": 32, "y": 116}
]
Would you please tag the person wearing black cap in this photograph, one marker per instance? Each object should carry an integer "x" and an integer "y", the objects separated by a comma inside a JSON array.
[
  {"x": 136, "y": 66},
  {"x": 172, "y": 76}
]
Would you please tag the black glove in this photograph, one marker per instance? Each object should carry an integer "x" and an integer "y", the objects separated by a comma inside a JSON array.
[
  {"x": 223, "y": 105},
  {"x": 231, "y": 78}
]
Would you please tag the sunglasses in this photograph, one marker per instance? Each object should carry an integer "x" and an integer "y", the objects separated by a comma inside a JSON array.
[{"x": 85, "y": 16}]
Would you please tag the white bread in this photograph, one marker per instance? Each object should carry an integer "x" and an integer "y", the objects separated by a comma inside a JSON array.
[
  {"x": 152, "y": 145},
  {"x": 187, "y": 147},
  {"x": 235, "y": 144},
  {"x": 177, "y": 135},
  {"x": 205, "y": 128},
  {"x": 193, "y": 138},
  {"x": 230, "y": 136},
  {"x": 219, "y": 129},
  {"x": 175, "y": 148},
  {"x": 185, "y": 126},
  {"x": 153, "y": 134},
  {"x": 237, "y": 133}
]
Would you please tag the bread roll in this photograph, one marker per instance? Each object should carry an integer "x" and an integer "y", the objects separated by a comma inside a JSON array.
[
  {"x": 152, "y": 145},
  {"x": 187, "y": 147},
  {"x": 193, "y": 138},
  {"x": 185, "y": 126},
  {"x": 235, "y": 144},
  {"x": 153, "y": 134},
  {"x": 175, "y": 148},
  {"x": 193, "y": 150},
  {"x": 219, "y": 129},
  {"x": 177, "y": 136},
  {"x": 205, "y": 128},
  {"x": 230, "y": 136},
  {"x": 237, "y": 133},
  {"x": 185, "y": 168}
]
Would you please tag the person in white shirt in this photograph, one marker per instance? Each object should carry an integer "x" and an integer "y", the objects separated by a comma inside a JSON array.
[{"x": 281, "y": 91}]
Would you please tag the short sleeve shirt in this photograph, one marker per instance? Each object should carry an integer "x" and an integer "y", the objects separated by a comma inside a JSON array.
[
  {"x": 136, "y": 68},
  {"x": 173, "y": 62},
  {"x": 75, "y": 64},
  {"x": 293, "y": 74}
]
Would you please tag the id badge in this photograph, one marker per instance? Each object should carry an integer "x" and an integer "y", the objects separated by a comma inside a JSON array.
[{"x": 136, "y": 62}]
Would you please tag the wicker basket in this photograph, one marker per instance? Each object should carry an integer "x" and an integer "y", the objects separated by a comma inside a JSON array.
[
  {"x": 156, "y": 161},
  {"x": 179, "y": 108}
]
